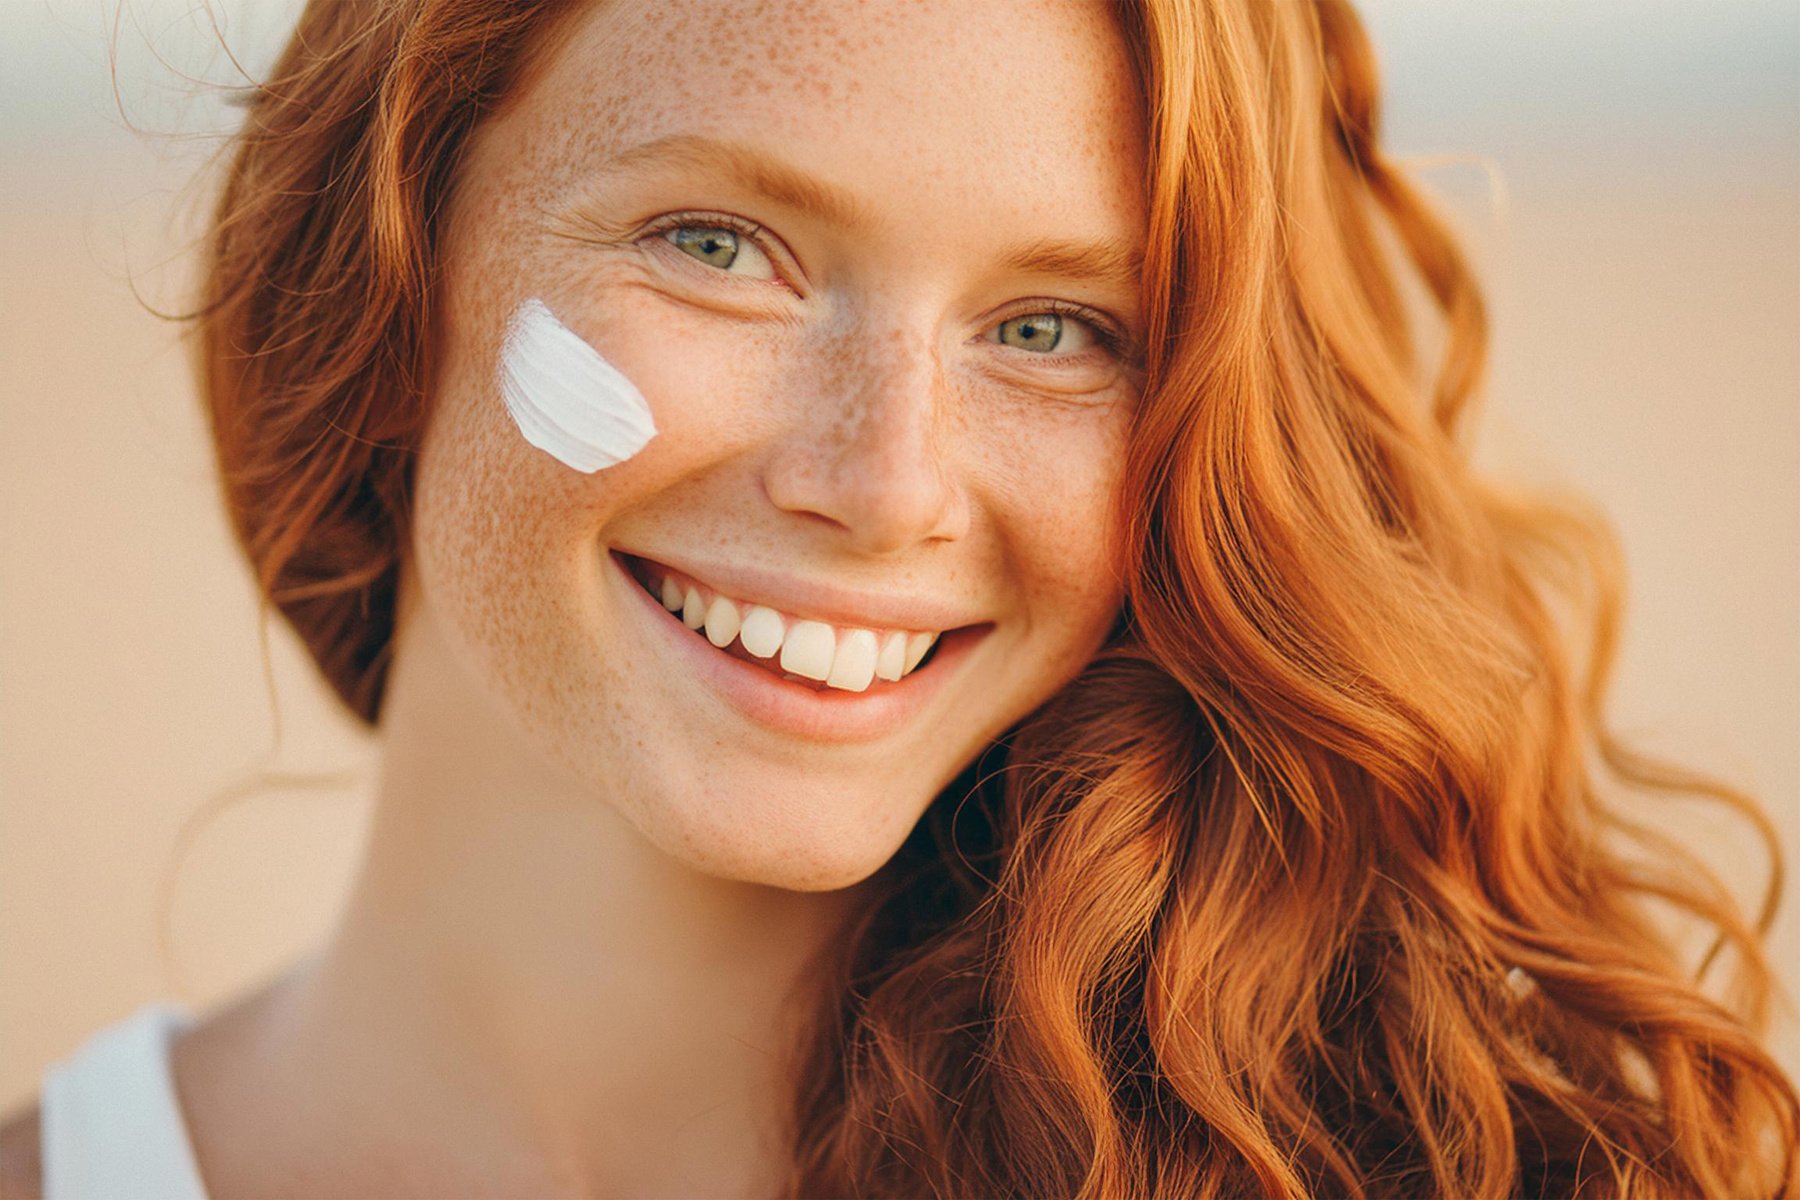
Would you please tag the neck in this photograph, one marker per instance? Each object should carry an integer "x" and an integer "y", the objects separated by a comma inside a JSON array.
[{"x": 517, "y": 961}]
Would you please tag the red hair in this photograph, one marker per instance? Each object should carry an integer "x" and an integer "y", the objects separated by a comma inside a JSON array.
[{"x": 1326, "y": 875}]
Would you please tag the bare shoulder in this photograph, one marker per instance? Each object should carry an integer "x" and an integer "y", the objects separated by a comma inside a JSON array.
[{"x": 21, "y": 1170}]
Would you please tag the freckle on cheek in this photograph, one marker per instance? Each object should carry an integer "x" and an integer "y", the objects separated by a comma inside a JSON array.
[{"x": 565, "y": 398}]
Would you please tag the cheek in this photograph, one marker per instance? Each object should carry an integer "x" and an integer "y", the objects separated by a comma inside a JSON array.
[
  {"x": 483, "y": 484},
  {"x": 506, "y": 537},
  {"x": 1058, "y": 477},
  {"x": 485, "y": 540},
  {"x": 499, "y": 525},
  {"x": 714, "y": 385},
  {"x": 485, "y": 500}
]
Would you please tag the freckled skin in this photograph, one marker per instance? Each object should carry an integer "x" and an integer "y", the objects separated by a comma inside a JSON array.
[{"x": 855, "y": 427}]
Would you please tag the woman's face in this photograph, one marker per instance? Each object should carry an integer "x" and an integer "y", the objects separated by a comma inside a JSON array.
[{"x": 867, "y": 263}]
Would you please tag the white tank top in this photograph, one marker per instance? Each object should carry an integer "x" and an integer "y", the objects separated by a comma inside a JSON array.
[{"x": 112, "y": 1125}]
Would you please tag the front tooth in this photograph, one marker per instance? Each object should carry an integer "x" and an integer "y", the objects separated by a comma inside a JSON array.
[
  {"x": 671, "y": 594},
  {"x": 761, "y": 631},
  {"x": 693, "y": 610},
  {"x": 853, "y": 665},
  {"x": 916, "y": 646},
  {"x": 722, "y": 622},
  {"x": 808, "y": 648},
  {"x": 890, "y": 664}
]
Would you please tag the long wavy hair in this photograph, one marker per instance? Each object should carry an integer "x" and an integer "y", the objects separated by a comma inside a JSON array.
[{"x": 1326, "y": 876}]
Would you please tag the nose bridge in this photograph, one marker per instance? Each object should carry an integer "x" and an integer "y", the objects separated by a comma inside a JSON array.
[
  {"x": 866, "y": 451},
  {"x": 887, "y": 388}
]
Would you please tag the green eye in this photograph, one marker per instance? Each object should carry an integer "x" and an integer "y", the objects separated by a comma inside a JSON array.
[
  {"x": 715, "y": 247},
  {"x": 1037, "y": 331},
  {"x": 727, "y": 250}
]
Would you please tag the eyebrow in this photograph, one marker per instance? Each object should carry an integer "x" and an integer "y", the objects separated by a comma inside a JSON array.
[
  {"x": 1109, "y": 262},
  {"x": 788, "y": 185}
]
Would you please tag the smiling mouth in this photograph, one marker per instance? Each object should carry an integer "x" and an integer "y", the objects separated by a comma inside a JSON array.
[{"x": 808, "y": 652}]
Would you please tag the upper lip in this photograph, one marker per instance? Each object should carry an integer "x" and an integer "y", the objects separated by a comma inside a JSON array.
[{"x": 817, "y": 599}]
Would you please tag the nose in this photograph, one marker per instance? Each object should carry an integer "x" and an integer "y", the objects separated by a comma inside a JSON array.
[{"x": 865, "y": 450}]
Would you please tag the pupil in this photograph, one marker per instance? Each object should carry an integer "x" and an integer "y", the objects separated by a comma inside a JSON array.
[
  {"x": 1039, "y": 332},
  {"x": 715, "y": 246}
]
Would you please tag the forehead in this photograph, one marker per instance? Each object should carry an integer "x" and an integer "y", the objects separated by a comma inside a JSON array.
[{"x": 933, "y": 110}]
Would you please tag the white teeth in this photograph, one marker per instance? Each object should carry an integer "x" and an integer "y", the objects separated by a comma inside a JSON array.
[
  {"x": 853, "y": 666},
  {"x": 722, "y": 622},
  {"x": 916, "y": 646},
  {"x": 761, "y": 631},
  {"x": 814, "y": 650},
  {"x": 808, "y": 649},
  {"x": 890, "y": 663}
]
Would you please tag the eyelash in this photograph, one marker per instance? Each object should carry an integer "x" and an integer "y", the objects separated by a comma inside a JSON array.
[
  {"x": 1105, "y": 334},
  {"x": 750, "y": 229}
]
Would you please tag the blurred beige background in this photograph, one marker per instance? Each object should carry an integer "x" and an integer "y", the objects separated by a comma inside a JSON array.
[{"x": 1639, "y": 233}]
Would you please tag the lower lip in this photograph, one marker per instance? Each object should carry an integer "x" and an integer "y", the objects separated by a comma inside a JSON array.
[{"x": 825, "y": 715}]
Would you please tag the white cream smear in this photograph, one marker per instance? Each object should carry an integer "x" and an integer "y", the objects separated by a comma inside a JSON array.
[{"x": 565, "y": 398}]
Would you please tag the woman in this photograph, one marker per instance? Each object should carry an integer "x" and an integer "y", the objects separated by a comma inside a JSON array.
[{"x": 926, "y": 636}]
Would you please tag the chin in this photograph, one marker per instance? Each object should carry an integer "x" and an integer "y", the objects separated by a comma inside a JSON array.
[{"x": 799, "y": 835}]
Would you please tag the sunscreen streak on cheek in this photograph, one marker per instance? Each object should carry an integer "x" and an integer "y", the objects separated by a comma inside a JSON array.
[{"x": 567, "y": 400}]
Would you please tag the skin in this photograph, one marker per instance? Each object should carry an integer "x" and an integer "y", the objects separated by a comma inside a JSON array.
[{"x": 590, "y": 882}]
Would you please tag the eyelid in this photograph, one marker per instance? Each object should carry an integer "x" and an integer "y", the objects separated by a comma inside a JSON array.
[
  {"x": 1108, "y": 334},
  {"x": 1112, "y": 336},
  {"x": 765, "y": 241}
]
